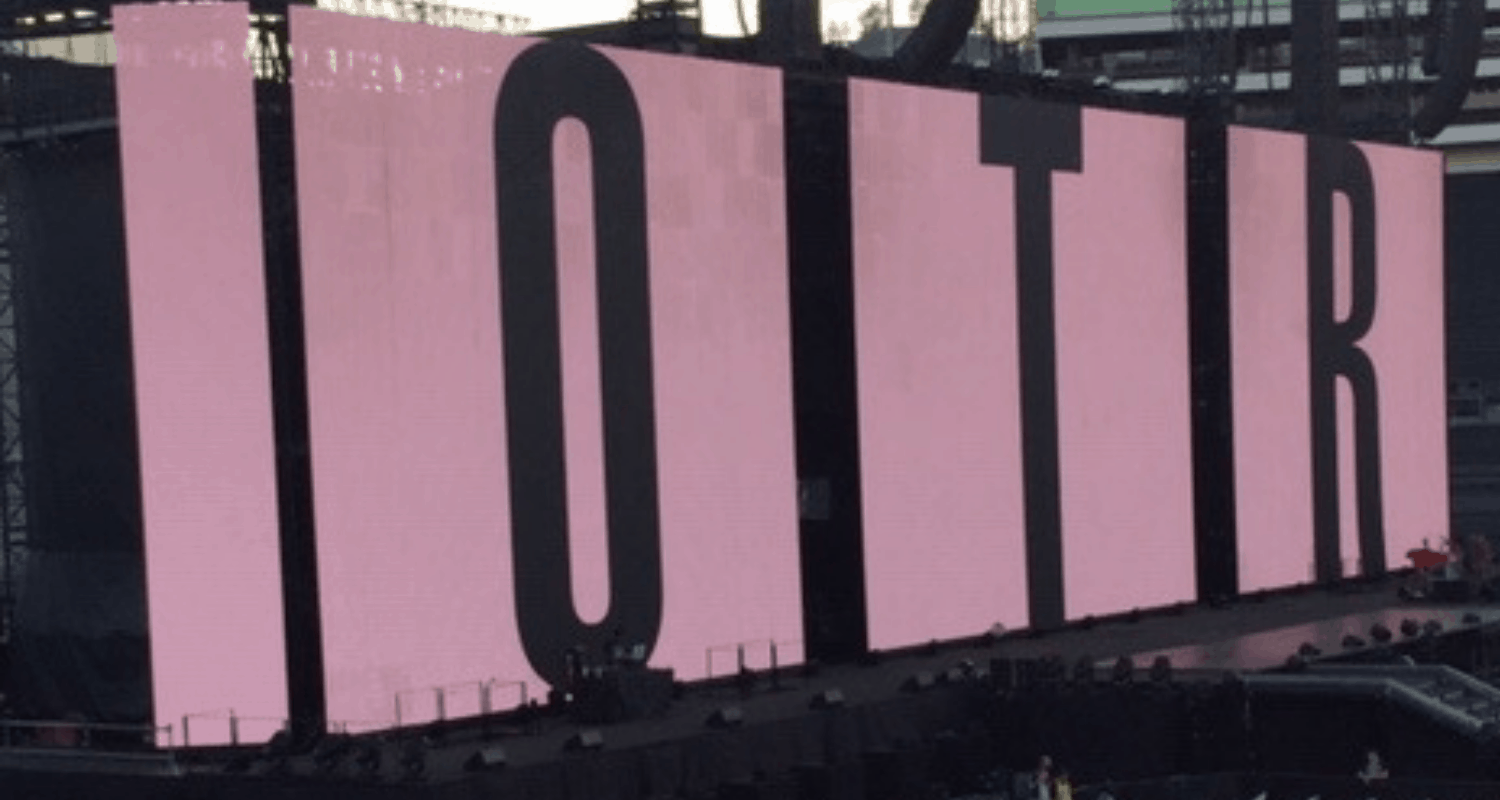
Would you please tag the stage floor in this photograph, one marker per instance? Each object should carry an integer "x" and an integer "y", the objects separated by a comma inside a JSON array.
[{"x": 1270, "y": 649}]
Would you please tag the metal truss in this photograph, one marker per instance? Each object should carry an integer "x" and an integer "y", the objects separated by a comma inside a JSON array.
[
  {"x": 1388, "y": 52},
  {"x": 1209, "y": 56},
  {"x": 13, "y": 518}
]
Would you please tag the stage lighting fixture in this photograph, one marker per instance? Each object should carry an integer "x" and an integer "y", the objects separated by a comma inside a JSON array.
[
  {"x": 1352, "y": 642},
  {"x": 1380, "y": 633},
  {"x": 1296, "y": 663},
  {"x": 1470, "y": 618},
  {"x": 726, "y": 717},
  {"x": 1410, "y": 628},
  {"x": 826, "y": 699},
  {"x": 919, "y": 682},
  {"x": 591, "y": 739},
  {"x": 1432, "y": 627},
  {"x": 1124, "y": 671},
  {"x": 486, "y": 759},
  {"x": 1161, "y": 670},
  {"x": 1309, "y": 650}
]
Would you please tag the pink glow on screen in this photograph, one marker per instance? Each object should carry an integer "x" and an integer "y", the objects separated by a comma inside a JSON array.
[
  {"x": 202, "y": 374},
  {"x": 938, "y": 366},
  {"x": 1268, "y": 296},
  {"x": 584, "y": 434},
  {"x": 1268, "y": 254},
  {"x": 1407, "y": 345},
  {"x": 939, "y": 414},
  {"x": 401, "y": 282},
  {"x": 1125, "y": 438}
]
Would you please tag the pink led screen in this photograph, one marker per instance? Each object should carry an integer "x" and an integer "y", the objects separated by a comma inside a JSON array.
[
  {"x": 429, "y": 368},
  {"x": 939, "y": 329},
  {"x": 202, "y": 373},
  {"x": 1389, "y": 305}
]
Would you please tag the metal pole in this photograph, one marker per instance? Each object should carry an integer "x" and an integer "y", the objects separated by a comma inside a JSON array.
[
  {"x": 890, "y": 27},
  {"x": 1315, "y": 65}
]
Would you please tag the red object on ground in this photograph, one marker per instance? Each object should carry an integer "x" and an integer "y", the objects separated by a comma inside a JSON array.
[{"x": 1426, "y": 559}]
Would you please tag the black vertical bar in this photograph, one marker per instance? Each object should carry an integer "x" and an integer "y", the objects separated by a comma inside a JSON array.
[
  {"x": 1036, "y": 315},
  {"x": 1214, "y": 510},
  {"x": 823, "y": 364},
  {"x": 299, "y": 559},
  {"x": 790, "y": 30},
  {"x": 1036, "y": 139},
  {"x": 544, "y": 85},
  {"x": 1315, "y": 65},
  {"x": 1339, "y": 167}
]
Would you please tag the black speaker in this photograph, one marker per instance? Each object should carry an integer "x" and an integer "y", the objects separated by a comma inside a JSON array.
[
  {"x": 726, "y": 717},
  {"x": 486, "y": 759},
  {"x": 828, "y": 698},
  {"x": 591, "y": 739}
]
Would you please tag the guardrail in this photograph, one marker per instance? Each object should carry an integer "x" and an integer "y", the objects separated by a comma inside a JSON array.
[
  {"x": 455, "y": 701},
  {"x": 753, "y": 654},
  {"x": 76, "y": 733},
  {"x": 235, "y": 730}
]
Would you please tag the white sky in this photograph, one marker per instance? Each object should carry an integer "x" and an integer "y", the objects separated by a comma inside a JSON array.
[{"x": 719, "y": 17}]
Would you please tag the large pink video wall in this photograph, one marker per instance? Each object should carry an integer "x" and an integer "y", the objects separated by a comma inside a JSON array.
[
  {"x": 1401, "y": 341},
  {"x": 549, "y": 361},
  {"x": 940, "y": 384},
  {"x": 414, "y": 461},
  {"x": 202, "y": 374}
]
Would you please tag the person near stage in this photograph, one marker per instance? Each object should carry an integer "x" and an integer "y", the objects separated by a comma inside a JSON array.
[
  {"x": 1481, "y": 563},
  {"x": 1037, "y": 784},
  {"x": 1373, "y": 773},
  {"x": 1043, "y": 779},
  {"x": 1062, "y": 787},
  {"x": 1427, "y": 564},
  {"x": 1453, "y": 570}
]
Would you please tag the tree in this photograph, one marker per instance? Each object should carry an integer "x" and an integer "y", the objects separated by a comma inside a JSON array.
[
  {"x": 839, "y": 32},
  {"x": 873, "y": 18}
]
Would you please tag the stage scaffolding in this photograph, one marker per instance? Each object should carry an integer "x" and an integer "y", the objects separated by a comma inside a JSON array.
[
  {"x": 1206, "y": 33},
  {"x": 13, "y": 528},
  {"x": 1388, "y": 53}
]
